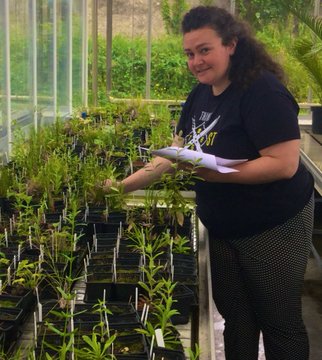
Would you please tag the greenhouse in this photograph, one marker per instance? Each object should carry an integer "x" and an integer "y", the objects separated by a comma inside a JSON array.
[{"x": 160, "y": 179}]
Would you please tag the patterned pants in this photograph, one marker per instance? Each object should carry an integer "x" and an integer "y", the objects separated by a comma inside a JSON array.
[{"x": 257, "y": 283}]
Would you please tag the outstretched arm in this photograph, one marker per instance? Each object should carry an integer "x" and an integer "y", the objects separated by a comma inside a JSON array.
[{"x": 148, "y": 174}]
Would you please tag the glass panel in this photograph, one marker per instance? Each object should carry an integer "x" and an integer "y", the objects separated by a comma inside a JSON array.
[
  {"x": 78, "y": 18},
  {"x": 20, "y": 64},
  {"x": 63, "y": 56},
  {"x": 50, "y": 65},
  {"x": 45, "y": 57}
]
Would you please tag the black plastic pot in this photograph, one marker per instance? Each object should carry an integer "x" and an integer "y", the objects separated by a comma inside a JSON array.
[
  {"x": 10, "y": 321},
  {"x": 183, "y": 298},
  {"x": 316, "y": 119},
  {"x": 130, "y": 345},
  {"x": 122, "y": 314},
  {"x": 167, "y": 354},
  {"x": 6, "y": 206},
  {"x": 9, "y": 301},
  {"x": 11, "y": 315},
  {"x": 8, "y": 335},
  {"x": 96, "y": 284},
  {"x": 21, "y": 297}
]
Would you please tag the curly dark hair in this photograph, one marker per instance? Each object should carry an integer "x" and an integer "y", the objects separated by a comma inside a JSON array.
[{"x": 250, "y": 58}]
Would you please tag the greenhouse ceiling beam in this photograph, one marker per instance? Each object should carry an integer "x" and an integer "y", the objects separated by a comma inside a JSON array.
[{"x": 7, "y": 75}]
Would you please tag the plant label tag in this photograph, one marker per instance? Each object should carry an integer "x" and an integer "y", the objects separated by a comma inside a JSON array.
[{"x": 159, "y": 337}]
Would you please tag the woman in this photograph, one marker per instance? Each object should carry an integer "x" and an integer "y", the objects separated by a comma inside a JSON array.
[{"x": 259, "y": 218}]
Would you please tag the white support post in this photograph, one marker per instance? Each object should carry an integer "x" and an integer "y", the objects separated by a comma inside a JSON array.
[
  {"x": 70, "y": 57},
  {"x": 55, "y": 109},
  {"x": 148, "y": 52},
  {"x": 7, "y": 75},
  {"x": 84, "y": 54},
  {"x": 33, "y": 27},
  {"x": 232, "y": 6}
]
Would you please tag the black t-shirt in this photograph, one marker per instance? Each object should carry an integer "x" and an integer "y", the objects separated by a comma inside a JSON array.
[{"x": 236, "y": 125}]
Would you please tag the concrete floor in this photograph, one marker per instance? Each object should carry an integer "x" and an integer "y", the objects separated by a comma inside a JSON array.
[{"x": 312, "y": 314}]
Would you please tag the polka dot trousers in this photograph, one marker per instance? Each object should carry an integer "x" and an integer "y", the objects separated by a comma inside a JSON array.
[{"x": 257, "y": 283}]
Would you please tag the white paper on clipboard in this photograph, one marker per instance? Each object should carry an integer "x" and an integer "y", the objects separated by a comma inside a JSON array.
[{"x": 207, "y": 160}]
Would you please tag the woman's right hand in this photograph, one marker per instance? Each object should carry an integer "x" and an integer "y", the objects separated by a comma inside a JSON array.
[{"x": 107, "y": 185}]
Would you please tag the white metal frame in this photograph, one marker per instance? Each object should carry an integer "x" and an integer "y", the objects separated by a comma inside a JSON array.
[
  {"x": 7, "y": 75},
  {"x": 54, "y": 4},
  {"x": 70, "y": 57},
  {"x": 34, "y": 81},
  {"x": 84, "y": 72},
  {"x": 148, "y": 52}
]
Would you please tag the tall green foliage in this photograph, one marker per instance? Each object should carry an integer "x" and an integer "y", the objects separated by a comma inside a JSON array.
[
  {"x": 172, "y": 13},
  {"x": 170, "y": 78},
  {"x": 260, "y": 13},
  {"x": 308, "y": 49},
  {"x": 278, "y": 44}
]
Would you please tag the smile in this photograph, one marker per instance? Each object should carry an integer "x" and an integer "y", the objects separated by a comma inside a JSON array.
[{"x": 201, "y": 71}]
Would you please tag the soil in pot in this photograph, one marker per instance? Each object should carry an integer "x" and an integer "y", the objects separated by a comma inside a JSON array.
[{"x": 130, "y": 345}]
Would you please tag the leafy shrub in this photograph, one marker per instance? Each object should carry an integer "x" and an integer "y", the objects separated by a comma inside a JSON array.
[
  {"x": 278, "y": 44},
  {"x": 170, "y": 77}
]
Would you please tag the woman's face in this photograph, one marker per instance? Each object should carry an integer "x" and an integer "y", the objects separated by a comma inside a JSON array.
[{"x": 208, "y": 58}]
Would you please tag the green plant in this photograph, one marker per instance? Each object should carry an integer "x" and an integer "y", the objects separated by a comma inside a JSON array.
[
  {"x": 172, "y": 15},
  {"x": 97, "y": 345},
  {"x": 115, "y": 199},
  {"x": 161, "y": 319},
  {"x": 61, "y": 351},
  {"x": 103, "y": 311},
  {"x": 307, "y": 49},
  {"x": 60, "y": 281},
  {"x": 164, "y": 312},
  {"x": 52, "y": 177},
  {"x": 3, "y": 259},
  {"x": 170, "y": 78},
  {"x": 152, "y": 281},
  {"x": 28, "y": 274},
  {"x": 194, "y": 355},
  {"x": 91, "y": 176},
  {"x": 25, "y": 209},
  {"x": 71, "y": 219},
  {"x": 18, "y": 353},
  {"x": 4, "y": 263},
  {"x": 171, "y": 190},
  {"x": 180, "y": 245},
  {"x": 6, "y": 180},
  {"x": 96, "y": 349}
]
